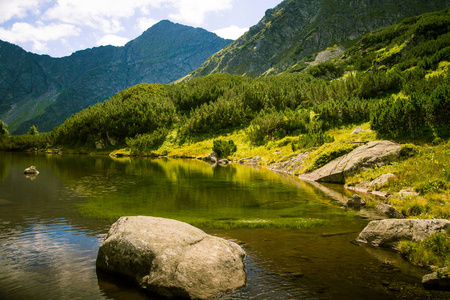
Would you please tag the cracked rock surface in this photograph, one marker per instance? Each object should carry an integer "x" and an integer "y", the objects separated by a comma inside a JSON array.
[
  {"x": 387, "y": 233},
  {"x": 171, "y": 258},
  {"x": 373, "y": 154}
]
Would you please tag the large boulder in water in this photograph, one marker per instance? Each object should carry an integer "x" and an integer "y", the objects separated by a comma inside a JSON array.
[
  {"x": 373, "y": 154},
  {"x": 387, "y": 233},
  {"x": 171, "y": 258}
]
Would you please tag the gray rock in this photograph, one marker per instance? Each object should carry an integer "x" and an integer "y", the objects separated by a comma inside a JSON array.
[
  {"x": 381, "y": 180},
  {"x": 434, "y": 281},
  {"x": 242, "y": 160},
  {"x": 171, "y": 258},
  {"x": 31, "y": 171},
  {"x": 356, "y": 201},
  {"x": 254, "y": 161},
  {"x": 290, "y": 165},
  {"x": 223, "y": 162},
  {"x": 408, "y": 193},
  {"x": 386, "y": 233},
  {"x": 212, "y": 157},
  {"x": 373, "y": 154},
  {"x": 357, "y": 130},
  {"x": 389, "y": 211}
]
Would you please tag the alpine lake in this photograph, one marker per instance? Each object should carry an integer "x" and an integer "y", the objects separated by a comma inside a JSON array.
[{"x": 300, "y": 242}]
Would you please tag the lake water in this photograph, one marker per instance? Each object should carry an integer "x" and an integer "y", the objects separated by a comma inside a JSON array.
[{"x": 52, "y": 225}]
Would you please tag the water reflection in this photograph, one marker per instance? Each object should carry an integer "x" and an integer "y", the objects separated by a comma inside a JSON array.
[
  {"x": 51, "y": 228},
  {"x": 39, "y": 258}
]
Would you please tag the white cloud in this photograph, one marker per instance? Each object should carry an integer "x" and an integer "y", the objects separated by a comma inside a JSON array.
[
  {"x": 106, "y": 14},
  {"x": 101, "y": 14},
  {"x": 145, "y": 23},
  {"x": 193, "y": 12},
  {"x": 22, "y": 32},
  {"x": 36, "y": 22},
  {"x": 17, "y": 8},
  {"x": 232, "y": 32},
  {"x": 111, "y": 39}
]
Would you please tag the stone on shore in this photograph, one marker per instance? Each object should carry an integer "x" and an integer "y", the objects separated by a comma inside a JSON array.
[
  {"x": 389, "y": 211},
  {"x": 254, "y": 161},
  {"x": 356, "y": 201},
  {"x": 373, "y": 154},
  {"x": 213, "y": 157},
  {"x": 387, "y": 233},
  {"x": 434, "y": 281},
  {"x": 171, "y": 258}
]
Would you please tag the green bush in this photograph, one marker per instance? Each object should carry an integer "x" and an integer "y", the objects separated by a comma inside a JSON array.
[
  {"x": 407, "y": 150},
  {"x": 3, "y": 129},
  {"x": 224, "y": 113},
  {"x": 147, "y": 141},
  {"x": 310, "y": 140},
  {"x": 224, "y": 148},
  {"x": 271, "y": 124}
]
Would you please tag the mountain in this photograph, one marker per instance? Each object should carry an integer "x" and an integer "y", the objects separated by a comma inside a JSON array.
[
  {"x": 293, "y": 33},
  {"x": 44, "y": 91}
]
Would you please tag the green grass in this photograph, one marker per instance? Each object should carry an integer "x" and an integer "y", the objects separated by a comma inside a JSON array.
[
  {"x": 433, "y": 251},
  {"x": 426, "y": 172},
  {"x": 282, "y": 223}
]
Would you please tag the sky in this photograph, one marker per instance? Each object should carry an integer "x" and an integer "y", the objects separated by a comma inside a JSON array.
[{"x": 61, "y": 27}]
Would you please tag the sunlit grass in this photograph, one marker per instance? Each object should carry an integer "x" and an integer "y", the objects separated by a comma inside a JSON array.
[
  {"x": 433, "y": 251},
  {"x": 427, "y": 172}
]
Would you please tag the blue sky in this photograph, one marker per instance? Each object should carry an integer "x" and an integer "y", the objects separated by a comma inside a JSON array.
[{"x": 60, "y": 27}]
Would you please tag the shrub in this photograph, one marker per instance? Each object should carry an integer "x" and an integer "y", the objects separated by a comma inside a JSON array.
[
  {"x": 272, "y": 124},
  {"x": 310, "y": 140},
  {"x": 407, "y": 150},
  {"x": 3, "y": 129},
  {"x": 224, "y": 113},
  {"x": 147, "y": 141},
  {"x": 224, "y": 148}
]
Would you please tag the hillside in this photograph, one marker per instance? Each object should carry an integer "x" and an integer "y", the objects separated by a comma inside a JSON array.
[
  {"x": 44, "y": 91},
  {"x": 295, "y": 31},
  {"x": 393, "y": 84},
  {"x": 394, "y": 77}
]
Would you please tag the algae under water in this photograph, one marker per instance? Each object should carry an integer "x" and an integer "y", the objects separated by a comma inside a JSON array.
[{"x": 299, "y": 243}]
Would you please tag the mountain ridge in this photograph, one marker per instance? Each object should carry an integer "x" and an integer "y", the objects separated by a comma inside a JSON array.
[
  {"x": 292, "y": 33},
  {"x": 43, "y": 91}
]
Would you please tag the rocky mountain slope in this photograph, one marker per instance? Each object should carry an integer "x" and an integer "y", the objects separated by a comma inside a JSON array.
[
  {"x": 295, "y": 31},
  {"x": 44, "y": 91}
]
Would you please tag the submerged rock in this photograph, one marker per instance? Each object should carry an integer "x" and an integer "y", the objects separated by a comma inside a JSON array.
[
  {"x": 386, "y": 233},
  {"x": 373, "y": 154},
  {"x": 171, "y": 258},
  {"x": 31, "y": 171}
]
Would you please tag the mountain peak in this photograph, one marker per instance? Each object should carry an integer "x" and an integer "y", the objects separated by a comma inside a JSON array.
[{"x": 60, "y": 87}]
